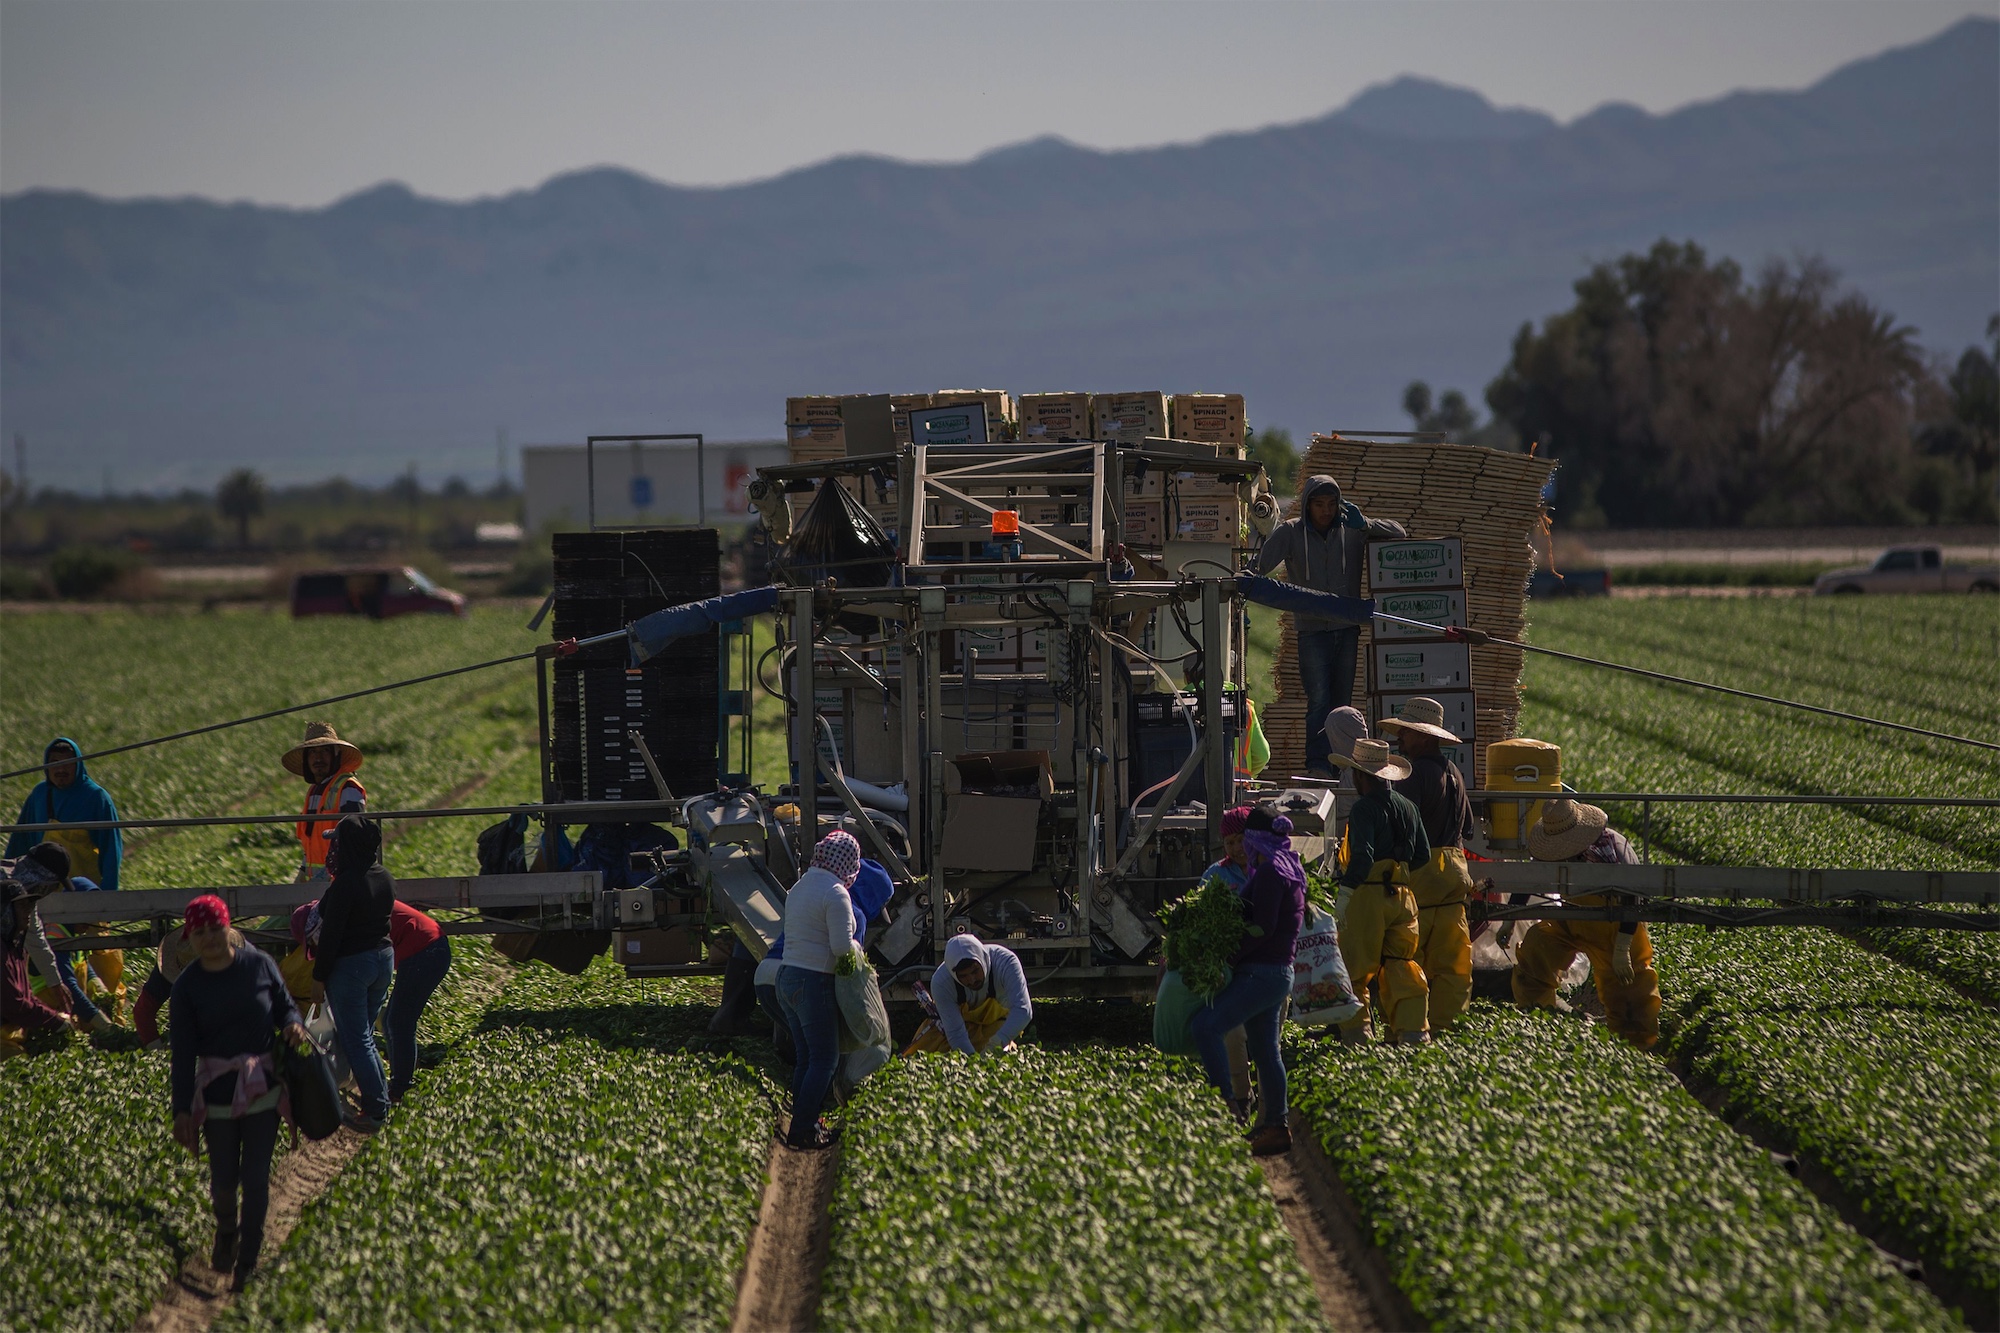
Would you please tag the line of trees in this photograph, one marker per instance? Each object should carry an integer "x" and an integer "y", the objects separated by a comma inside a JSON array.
[{"x": 1678, "y": 392}]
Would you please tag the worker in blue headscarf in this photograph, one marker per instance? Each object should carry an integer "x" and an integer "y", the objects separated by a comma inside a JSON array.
[{"x": 67, "y": 795}]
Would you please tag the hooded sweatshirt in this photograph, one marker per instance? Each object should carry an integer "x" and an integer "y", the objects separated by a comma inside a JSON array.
[
  {"x": 93, "y": 854},
  {"x": 355, "y": 909},
  {"x": 1325, "y": 560},
  {"x": 1005, "y": 981}
]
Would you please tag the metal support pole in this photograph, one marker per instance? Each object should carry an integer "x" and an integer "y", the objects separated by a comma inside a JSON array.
[
  {"x": 805, "y": 740},
  {"x": 550, "y": 791},
  {"x": 1646, "y": 832},
  {"x": 1219, "y": 776}
]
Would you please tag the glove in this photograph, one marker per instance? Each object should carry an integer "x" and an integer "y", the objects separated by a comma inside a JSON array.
[
  {"x": 1621, "y": 959},
  {"x": 101, "y": 1022},
  {"x": 1351, "y": 516}
]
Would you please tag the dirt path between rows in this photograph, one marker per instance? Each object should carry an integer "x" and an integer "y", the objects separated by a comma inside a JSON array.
[
  {"x": 198, "y": 1294},
  {"x": 780, "y": 1288},
  {"x": 1350, "y": 1275}
]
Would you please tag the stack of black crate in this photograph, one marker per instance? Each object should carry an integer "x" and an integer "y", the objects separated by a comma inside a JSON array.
[{"x": 603, "y": 582}]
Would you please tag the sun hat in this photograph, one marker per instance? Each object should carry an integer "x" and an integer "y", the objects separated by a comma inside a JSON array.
[
  {"x": 1565, "y": 830},
  {"x": 1423, "y": 716},
  {"x": 321, "y": 735},
  {"x": 1373, "y": 757},
  {"x": 1344, "y": 726}
]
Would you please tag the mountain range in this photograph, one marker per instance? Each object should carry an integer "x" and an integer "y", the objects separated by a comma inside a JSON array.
[{"x": 1314, "y": 267}]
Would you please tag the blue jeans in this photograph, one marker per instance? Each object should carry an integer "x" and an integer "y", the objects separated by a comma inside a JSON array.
[
  {"x": 417, "y": 978},
  {"x": 813, "y": 1016},
  {"x": 1326, "y": 671},
  {"x": 1252, "y": 1001},
  {"x": 355, "y": 991}
]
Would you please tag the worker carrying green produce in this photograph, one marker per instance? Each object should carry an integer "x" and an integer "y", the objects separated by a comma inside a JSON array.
[
  {"x": 1441, "y": 885},
  {"x": 68, "y": 795},
  {"x": 1322, "y": 548},
  {"x": 327, "y": 763},
  {"x": 1260, "y": 980},
  {"x": 819, "y": 937},
  {"x": 1620, "y": 952},
  {"x": 1384, "y": 837},
  {"x": 1175, "y": 1004},
  {"x": 980, "y": 991}
]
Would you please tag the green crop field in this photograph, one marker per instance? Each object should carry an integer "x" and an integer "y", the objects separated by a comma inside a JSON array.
[{"x": 581, "y": 1156}]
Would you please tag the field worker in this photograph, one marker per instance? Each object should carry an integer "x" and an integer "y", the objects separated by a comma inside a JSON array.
[
  {"x": 327, "y": 763},
  {"x": 1322, "y": 548},
  {"x": 1260, "y": 977},
  {"x": 819, "y": 933},
  {"x": 226, "y": 1086},
  {"x": 354, "y": 961},
  {"x": 870, "y": 893},
  {"x": 1620, "y": 952},
  {"x": 20, "y": 1011},
  {"x": 981, "y": 994},
  {"x": 422, "y": 953},
  {"x": 176, "y": 951},
  {"x": 59, "y": 983},
  {"x": 1383, "y": 840},
  {"x": 1233, "y": 870},
  {"x": 68, "y": 794},
  {"x": 1441, "y": 885}
]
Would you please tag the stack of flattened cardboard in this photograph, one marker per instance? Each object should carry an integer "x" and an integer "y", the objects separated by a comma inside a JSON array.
[{"x": 1490, "y": 501}]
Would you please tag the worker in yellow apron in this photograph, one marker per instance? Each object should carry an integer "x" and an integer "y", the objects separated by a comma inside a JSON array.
[
  {"x": 1383, "y": 838},
  {"x": 327, "y": 763},
  {"x": 67, "y": 794},
  {"x": 981, "y": 994},
  {"x": 1620, "y": 952},
  {"x": 1441, "y": 885}
]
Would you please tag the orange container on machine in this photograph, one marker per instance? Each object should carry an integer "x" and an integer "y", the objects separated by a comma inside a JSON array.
[{"x": 1518, "y": 765}]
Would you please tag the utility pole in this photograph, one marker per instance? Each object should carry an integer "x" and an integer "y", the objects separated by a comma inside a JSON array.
[
  {"x": 21, "y": 464},
  {"x": 500, "y": 458}
]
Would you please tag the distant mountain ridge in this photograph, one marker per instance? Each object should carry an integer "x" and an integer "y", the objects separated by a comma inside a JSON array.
[{"x": 1316, "y": 267}]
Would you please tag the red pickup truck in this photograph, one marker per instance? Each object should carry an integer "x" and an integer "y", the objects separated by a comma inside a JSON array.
[{"x": 378, "y": 592}]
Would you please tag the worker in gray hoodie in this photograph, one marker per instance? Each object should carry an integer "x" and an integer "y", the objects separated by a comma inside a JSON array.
[{"x": 1323, "y": 548}]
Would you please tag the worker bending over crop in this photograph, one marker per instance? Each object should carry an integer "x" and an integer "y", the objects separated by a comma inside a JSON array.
[
  {"x": 20, "y": 1011},
  {"x": 1260, "y": 977},
  {"x": 68, "y": 795},
  {"x": 327, "y": 763},
  {"x": 869, "y": 893},
  {"x": 981, "y": 994},
  {"x": 227, "y": 1088},
  {"x": 1322, "y": 548},
  {"x": 1383, "y": 839},
  {"x": 61, "y": 983},
  {"x": 819, "y": 934},
  {"x": 1442, "y": 884},
  {"x": 1620, "y": 952}
]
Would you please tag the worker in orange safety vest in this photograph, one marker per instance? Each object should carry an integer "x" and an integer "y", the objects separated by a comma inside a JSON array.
[{"x": 327, "y": 763}]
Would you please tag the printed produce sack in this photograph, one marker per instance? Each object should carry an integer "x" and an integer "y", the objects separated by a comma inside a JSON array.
[
  {"x": 864, "y": 1023},
  {"x": 1322, "y": 994},
  {"x": 319, "y": 1026},
  {"x": 1174, "y": 1009}
]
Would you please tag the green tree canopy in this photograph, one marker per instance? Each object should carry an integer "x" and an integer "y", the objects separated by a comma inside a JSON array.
[{"x": 240, "y": 497}]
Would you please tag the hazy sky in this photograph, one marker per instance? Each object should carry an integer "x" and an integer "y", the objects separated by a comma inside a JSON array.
[{"x": 302, "y": 102}]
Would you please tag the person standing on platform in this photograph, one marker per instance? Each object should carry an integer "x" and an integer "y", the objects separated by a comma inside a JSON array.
[{"x": 1324, "y": 549}]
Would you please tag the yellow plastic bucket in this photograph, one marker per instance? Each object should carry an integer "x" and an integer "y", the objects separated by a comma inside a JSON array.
[{"x": 1518, "y": 765}]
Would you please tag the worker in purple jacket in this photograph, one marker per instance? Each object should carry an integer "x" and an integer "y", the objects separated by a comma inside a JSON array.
[{"x": 1260, "y": 976}]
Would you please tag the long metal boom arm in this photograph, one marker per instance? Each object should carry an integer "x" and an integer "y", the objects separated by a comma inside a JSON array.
[{"x": 1736, "y": 883}]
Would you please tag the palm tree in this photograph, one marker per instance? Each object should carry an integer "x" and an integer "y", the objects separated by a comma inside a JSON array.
[{"x": 241, "y": 497}]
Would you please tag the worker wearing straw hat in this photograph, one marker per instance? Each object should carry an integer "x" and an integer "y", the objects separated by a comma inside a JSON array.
[
  {"x": 1620, "y": 952},
  {"x": 1384, "y": 838},
  {"x": 327, "y": 763},
  {"x": 1442, "y": 884}
]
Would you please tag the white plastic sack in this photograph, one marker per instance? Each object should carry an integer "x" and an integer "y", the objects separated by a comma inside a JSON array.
[
  {"x": 1322, "y": 993},
  {"x": 320, "y": 1027},
  {"x": 864, "y": 1023}
]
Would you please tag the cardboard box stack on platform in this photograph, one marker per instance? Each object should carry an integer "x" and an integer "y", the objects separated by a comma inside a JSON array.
[
  {"x": 1051, "y": 417},
  {"x": 814, "y": 429},
  {"x": 1490, "y": 501},
  {"x": 999, "y": 406},
  {"x": 1212, "y": 418},
  {"x": 1128, "y": 418}
]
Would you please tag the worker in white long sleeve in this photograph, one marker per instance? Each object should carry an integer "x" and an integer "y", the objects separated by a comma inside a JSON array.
[
  {"x": 819, "y": 932},
  {"x": 981, "y": 993}
]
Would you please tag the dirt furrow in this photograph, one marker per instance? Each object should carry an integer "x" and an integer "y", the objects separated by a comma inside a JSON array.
[{"x": 779, "y": 1292}]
